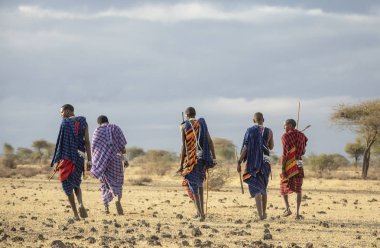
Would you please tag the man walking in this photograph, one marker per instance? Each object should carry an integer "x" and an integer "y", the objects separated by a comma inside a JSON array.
[
  {"x": 197, "y": 155},
  {"x": 293, "y": 147},
  {"x": 257, "y": 142},
  {"x": 73, "y": 140},
  {"x": 108, "y": 147}
]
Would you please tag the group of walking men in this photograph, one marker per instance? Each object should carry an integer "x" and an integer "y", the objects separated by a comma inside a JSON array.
[{"x": 106, "y": 161}]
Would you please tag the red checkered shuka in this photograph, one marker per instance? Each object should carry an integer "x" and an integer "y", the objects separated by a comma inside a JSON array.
[{"x": 293, "y": 138}]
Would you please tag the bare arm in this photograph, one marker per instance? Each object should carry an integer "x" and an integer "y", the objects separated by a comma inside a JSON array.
[
  {"x": 270, "y": 141},
  {"x": 88, "y": 147},
  {"x": 211, "y": 145},
  {"x": 123, "y": 150},
  {"x": 243, "y": 155},
  {"x": 183, "y": 148}
]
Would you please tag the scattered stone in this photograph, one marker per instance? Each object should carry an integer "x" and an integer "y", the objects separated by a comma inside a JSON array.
[
  {"x": 196, "y": 232},
  {"x": 358, "y": 237},
  {"x": 207, "y": 243},
  {"x": 197, "y": 243},
  {"x": 166, "y": 235},
  {"x": 374, "y": 233},
  {"x": 179, "y": 216},
  {"x": 58, "y": 244},
  {"x": 13, "y": 229},
  {"x": 266, "y": 225},
  {"x": 185, "y": 243},
  {"x": 321, "y": 212},
  {"x": 62, "y": 227},
  {"x": 372, "y": 200},
  {"x": 324, "y": 224},
  {"x": 117, "y": 225},
  {"x": 267, "y": 236},
  {"x": 239, "y": 221},
  {"x": 40, "y": 237},
  {"x": 309, "y": 245},
  {"x": 154, "y": 241},
  {"x": 70, "y": 221},
  {"x": 91, "y": 240},
  {"x": 236, "y": 232},
  {"x": 18, "y": 239},
  {"x": 93, "y": 229}
]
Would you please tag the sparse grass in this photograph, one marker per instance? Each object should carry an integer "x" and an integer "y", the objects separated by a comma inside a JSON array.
[{"x": 141, "y": 181}]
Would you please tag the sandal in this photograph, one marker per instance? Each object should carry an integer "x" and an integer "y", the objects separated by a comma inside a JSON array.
[
  {"x": 119, "y": 208},
  {"x": 299, "y": 217},
  {"x": 286, "y": 213},
  {"x": 82, "y": 212}
]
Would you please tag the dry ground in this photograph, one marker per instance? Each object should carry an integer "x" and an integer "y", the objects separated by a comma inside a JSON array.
[{"x": 338, "y": 213}]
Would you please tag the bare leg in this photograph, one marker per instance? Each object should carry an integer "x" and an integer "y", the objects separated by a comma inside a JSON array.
[
  {"x": 197, "y": 203},
  {"x": 82, "y": 210},
  {"x": 78, "y": 193},
  {"x": 73, "y": 206},
  {"x": 299, "y": 197},
  {"x": 287, "y": 211},
  {"x": 201, "y": 198},
  {"x": 259, "y": 206},
  {"x": 265, "y": 200},
  {"x": 106, "y": 209},
  {"x": 119, "y": 208}
]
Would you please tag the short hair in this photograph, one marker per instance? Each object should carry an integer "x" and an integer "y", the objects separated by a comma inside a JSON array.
[
  {"x": 68, "y": 107},
  {"x": 258, "y": 116},
  {"x": 190, "y": 111},
  {"x": 291, "y": 122},
  {"x": 102, "y": 119}
]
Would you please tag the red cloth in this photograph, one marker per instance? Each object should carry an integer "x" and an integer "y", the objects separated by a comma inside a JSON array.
[
  {"x": 189, "y": 193},
  {"x": 293, "y": 138},
  {"x": 66, "y": 167},
  {"x": 294, "y": 184}
]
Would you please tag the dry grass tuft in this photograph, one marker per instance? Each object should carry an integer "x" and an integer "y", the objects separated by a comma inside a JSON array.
[{"x": 141, "y": 181}]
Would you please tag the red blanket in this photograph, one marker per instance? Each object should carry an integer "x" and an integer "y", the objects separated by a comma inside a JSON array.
[{"x": 66, "y": 167}]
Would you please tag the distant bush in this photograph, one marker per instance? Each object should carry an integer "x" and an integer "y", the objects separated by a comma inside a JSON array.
[
  {"x": 224, "y": 149},
  {"x": 158, "y": 162},
  {"x": 140, "y": 181},
  {"x": 326, "y": 162},
  {"x": 134, "y": 152},
  {"x": 218, "y": 176}
]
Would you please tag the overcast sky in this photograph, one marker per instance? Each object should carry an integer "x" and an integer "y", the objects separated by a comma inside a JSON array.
[{"x": 142, "y": 63}]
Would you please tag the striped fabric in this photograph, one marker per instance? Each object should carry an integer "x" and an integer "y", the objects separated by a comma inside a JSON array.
[
  {"x": 253, "y": 141},
  {"x": 107, "y": 142},
  {"x": 293, "y": 144},
  {"x": 191, "y": 136},
  {"x": 70, "y": 140},
  {"x": 294, "y": 184},
  {"x": 257, "y": 170},
  {"x": 195, "y": 166}
]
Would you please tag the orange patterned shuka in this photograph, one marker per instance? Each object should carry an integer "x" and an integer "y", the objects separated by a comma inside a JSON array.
[{"x": 191, "y": 148}]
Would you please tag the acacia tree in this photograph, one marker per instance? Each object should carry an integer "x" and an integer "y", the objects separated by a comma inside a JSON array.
[
  {"x": 364, "y": 118},
  {"x": 41, "y": 145},
  {"x": 355, "y": 150}
]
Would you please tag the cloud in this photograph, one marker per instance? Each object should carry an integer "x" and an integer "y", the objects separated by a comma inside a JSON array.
[{"x": 195, "y": 12}]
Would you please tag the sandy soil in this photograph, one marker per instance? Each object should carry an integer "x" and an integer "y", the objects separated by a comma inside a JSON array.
[{"x": 338, "y": 213}]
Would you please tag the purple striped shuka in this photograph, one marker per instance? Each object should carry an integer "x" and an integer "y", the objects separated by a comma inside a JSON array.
[{"x": 107, "y": 143}]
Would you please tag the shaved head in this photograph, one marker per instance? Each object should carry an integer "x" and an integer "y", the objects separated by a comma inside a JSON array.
[{"x": 258, "y": 118}]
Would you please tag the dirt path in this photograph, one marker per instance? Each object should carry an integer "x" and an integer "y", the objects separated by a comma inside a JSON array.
[{"x": 35, "y": 213}]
